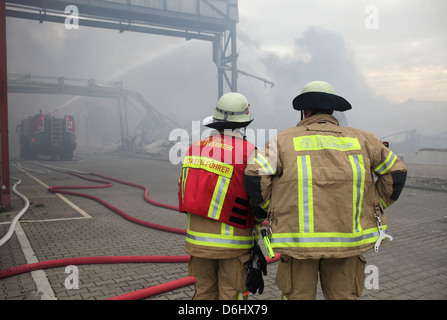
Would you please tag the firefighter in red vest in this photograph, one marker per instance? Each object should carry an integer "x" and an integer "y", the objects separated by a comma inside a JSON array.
[{"x": 225, "y": 257}]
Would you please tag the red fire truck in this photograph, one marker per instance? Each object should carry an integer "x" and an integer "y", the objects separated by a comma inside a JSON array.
[{"x": 46, "y": 135}]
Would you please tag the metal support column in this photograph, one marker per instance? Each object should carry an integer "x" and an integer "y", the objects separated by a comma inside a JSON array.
[
  {"x": 122, "y": 110},
  {"x": 4, "y": 134},
  {"x": 225, "y": 57},
  {"x": 233, "y": 58}
]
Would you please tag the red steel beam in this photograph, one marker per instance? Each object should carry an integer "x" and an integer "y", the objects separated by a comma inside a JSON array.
[{"x": 4, "y": 132}]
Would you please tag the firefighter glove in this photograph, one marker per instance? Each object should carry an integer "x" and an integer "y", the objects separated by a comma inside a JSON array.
[
  {"x": 257, "y": 267},
  {"x": 255, "y": 281}
]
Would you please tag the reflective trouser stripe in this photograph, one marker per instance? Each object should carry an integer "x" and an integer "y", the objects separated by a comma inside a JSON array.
[
  {"x": 387, "y": 164},
  {"x": 358, "y": 171},
  {"x": 305, "y": 194},
  {"x": 325, "y": 239},
  {"x": 218, "y": 197}
]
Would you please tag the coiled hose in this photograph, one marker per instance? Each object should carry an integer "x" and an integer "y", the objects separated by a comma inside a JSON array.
[{"x": 106, "y": 184}]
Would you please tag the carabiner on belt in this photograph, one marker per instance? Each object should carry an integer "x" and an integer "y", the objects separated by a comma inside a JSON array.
[{"x": 382, "y": 234}]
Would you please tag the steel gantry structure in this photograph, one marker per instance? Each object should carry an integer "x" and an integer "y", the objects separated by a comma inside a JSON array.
[{"x": 207, "y": 20}]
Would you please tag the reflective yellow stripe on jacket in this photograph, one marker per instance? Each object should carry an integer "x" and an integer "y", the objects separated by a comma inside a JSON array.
[
  {"x": 222, "y": 169},
  {"x": 226, "y": 238},
  {"x": 325, "y": 239},
  {"x": 218, "y": 197},
  {"x": 305, "y": 194},
  {"x": 358, "y": 170},
  {"x": 387, "y": 164},
  {"x": 264, "y": 164},
  {"x": 306, "y": 237},
  {"x": 184, "y": 177}
]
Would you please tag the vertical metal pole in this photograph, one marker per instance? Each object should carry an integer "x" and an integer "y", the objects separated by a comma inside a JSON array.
[
  {"x": 4, "y": 135},
  {"x": 126, "y": 122},
  {"x": 233, "y": 58},
  {"x": 217, "y": 54},
  {"x": 219, "y": 82},
  {"x": 121, "y": 125},
  {"x": 226, "y": 63}
]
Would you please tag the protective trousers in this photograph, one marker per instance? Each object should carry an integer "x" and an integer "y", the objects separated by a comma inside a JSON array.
[
  {"x": 219, "y": 279},
  {"x": 341, "y": 279}
]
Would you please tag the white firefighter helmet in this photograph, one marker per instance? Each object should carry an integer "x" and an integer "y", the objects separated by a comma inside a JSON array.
[
  {"x": 232, "y": 111},
  {"x": 320, "y": 95}
]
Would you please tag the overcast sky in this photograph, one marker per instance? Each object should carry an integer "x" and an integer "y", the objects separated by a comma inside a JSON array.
[
  {"x": 399, "y": 46},
  {"x": 378, "y": 54}
]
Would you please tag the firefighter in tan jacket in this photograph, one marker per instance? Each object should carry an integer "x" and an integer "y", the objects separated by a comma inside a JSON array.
[{"x": 315, "y": 185}]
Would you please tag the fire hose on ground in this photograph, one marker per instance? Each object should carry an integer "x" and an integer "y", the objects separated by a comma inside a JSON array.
[
  {"x": 8, "y": 234},
  {"x": 136, "y": 295}
]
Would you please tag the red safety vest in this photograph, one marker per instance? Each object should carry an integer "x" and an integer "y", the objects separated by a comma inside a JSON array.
[{"x": 211, "y": 184}]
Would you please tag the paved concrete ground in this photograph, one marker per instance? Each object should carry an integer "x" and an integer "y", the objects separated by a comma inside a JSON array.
[{"x": 413, "y": 266}]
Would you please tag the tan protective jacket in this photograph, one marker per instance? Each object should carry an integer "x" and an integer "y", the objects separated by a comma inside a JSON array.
[{"x": 316, "y": 182}]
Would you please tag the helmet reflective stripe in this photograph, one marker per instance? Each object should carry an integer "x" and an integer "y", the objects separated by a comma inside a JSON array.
[
  {"x": 232, "y": 113},
  {"x": 233, "y": 107}
]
